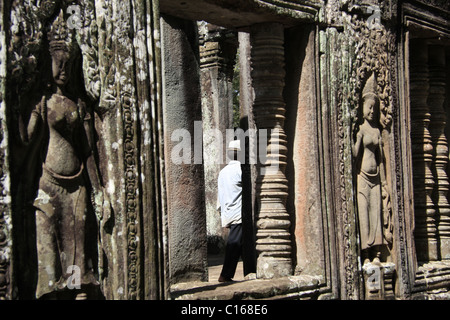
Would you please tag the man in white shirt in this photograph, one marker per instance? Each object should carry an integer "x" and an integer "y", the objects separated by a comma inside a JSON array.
[{"x": 230, "y": 200}]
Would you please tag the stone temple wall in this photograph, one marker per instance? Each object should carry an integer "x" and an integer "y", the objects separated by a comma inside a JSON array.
[{"x": 108, "y": 164}]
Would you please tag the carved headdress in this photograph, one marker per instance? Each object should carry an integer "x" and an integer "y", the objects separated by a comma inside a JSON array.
[
  {"x": 59, "y": 36},
  {"x": 370, "y": 89}
]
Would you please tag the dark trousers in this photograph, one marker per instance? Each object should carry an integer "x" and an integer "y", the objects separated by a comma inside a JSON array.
[{"x": 233, "y": 251}]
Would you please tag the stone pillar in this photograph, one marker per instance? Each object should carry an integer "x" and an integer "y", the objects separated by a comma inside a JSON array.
[
  {"x": 247, "y": 123},
  {"x": 436, "y": 98},
  {"x": 184, "y": 181},
  {"x": 246, "y": 94},
  {"x": 273, "y": 238},
  {"x": 218, "y": 48},
  {"x": 425, "y": 232}
]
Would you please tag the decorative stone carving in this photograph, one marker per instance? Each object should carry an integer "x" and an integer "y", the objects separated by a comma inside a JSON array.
[
  {"x": 120, "y": 63},
  {"x": 332, "y": 66},
  {"x": 60, "y": 131},
  {"x": 119, "y": 42},
  {"x": 373, "y": 54},
  {"x": 373, "y": 49},
  {"x": 374, "y": 211},
  {"x": 273, "y": 238}
]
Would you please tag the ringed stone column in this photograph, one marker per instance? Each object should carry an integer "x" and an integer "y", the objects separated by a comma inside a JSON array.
[
  {"x": 273, "y": 238},
  {"x": 435, "y": 101},
  {"x": 425, "y": 232}
]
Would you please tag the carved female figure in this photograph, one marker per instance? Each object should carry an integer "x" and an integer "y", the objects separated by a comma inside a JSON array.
[
  {"x": 371, "y": 179},
  {"x": 61, "y": 125}
]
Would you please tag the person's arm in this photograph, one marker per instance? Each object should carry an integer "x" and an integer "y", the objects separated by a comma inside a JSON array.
[{"x": 218, "y": 207}]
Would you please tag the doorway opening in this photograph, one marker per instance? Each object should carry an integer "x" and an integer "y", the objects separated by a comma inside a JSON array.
[{"x": 223, "y": 117}]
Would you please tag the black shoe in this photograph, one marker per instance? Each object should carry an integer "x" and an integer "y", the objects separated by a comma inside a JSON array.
[{"x": 223, "y": 279}]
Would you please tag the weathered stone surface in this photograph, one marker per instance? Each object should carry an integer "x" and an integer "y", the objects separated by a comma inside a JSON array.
[
  {"x": 303, "y": 203},
  {"x": 6, "y": 226},
  {"x": 303, "y": 72},
  {"x": 438, "y": 121},
  {"x": 185, "y": 181},
  {"x": 243, "y": 13},
  {"x": 425, "y": 213},
  {"x": 273, "y": 239},
  {"x": 218, "y": 49},
  {"x": 295, "y": 287},
  {"x": 105, "y": 73}
]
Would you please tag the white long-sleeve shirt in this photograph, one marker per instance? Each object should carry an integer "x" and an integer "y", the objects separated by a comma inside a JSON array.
[{"x": 230, "y": 193}]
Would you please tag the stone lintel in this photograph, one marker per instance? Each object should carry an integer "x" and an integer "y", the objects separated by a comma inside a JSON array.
[{"x": 242, "y": 14}]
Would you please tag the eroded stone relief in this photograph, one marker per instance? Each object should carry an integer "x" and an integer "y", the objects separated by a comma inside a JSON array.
[
  {"x": 60, "y": 131},
  {"x": 89, "y": 147},
  {"x": 374, "y": 211}
]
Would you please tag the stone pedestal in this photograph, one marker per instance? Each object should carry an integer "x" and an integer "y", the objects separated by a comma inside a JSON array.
[{"x": 379, "y": 280}]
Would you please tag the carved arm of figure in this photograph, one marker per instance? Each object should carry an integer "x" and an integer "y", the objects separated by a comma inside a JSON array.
[
  {"x": 100, "y": 198},
  {"x": 385, "y": 196},
  {"x": 382, "y": 167},
  {"x": 357, "y": 145},
  {"x": 38, "y": 117}
]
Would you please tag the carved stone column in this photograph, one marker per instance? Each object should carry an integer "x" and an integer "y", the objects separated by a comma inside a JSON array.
[
  {"x": 425, "y": 232},
  {"x": 273, "y": 238},
  {"x": 436, "y": 98}
]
